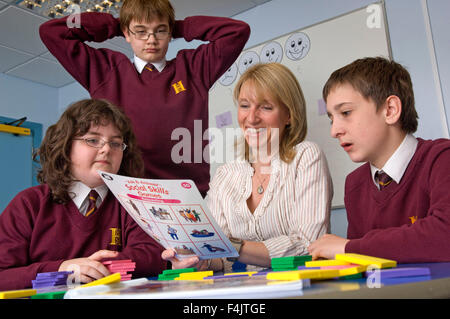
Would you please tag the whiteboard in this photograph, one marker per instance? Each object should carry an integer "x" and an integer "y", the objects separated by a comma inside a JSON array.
[{"x": 312, "y": 54}]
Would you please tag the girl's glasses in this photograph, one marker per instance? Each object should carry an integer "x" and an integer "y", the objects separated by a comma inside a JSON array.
[{"x": 99, "y": 143}]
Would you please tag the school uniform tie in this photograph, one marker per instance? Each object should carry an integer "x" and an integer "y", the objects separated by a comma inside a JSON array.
[
  {"x": 150, "y": 67},
  {"x": 92, "y": 208},
  {"x": 383, "y": 179}
]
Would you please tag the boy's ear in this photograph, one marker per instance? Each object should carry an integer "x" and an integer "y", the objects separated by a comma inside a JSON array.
[
  {"x": 393, "y": 109},
  {"x": 126, "y": 34}
]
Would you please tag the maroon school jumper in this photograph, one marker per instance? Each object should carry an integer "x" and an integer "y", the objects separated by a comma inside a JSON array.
[
  {"x": 37, "y": 235},
  {"x": 407, "y": 222},
  {"x": 157, "y": 103}
]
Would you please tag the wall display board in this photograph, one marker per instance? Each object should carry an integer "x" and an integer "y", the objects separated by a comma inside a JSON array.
[{"x": 312, "y": 54}]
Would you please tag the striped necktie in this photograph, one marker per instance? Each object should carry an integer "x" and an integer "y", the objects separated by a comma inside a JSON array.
[
  {"x": 383, "y": 179},
  {"x": 150, "y": 67},
  {"x": 92, "y": 208}
]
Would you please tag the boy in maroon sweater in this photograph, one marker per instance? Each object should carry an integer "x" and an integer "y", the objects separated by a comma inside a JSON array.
[
  {"x": 398, "y": 203},
  {"x": 161, "y": 97},
  {"x": 56, "y": 226}
]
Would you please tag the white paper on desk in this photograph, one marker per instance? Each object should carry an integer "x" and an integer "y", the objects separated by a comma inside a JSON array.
[
  {"x": 173, "y": 213},
  {"x": 254, "y": 287}
]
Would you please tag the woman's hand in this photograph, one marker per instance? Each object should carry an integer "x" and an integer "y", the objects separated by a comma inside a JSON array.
[{"x": 170, "y": 255}]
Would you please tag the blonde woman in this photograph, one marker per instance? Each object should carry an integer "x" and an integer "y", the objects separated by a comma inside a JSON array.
[{"x": 276, "y": 199}]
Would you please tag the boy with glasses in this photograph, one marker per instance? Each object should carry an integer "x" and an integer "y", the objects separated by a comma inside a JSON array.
[{"x": 158, "y": 95}]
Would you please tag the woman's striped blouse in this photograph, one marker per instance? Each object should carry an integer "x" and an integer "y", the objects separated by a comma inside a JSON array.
[{"x": 294, "y": 210}]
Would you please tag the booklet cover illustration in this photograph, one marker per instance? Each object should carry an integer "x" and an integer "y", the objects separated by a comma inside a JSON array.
[{"x": 173, "y": 213}]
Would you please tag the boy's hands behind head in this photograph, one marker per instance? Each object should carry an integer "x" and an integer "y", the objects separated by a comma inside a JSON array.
[{"x": 90, "y": 268}]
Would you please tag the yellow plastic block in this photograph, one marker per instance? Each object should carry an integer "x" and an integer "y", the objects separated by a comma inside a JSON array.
[
  {"x": 303, "y": 274},
  {"x": 111, "y": 279},
  {"x": 328, "y": 273},
  {"x": 249, "y": 273},
  {"x": 197, "y": 275},
  {"x": 367, "y": 260},
  {"x": 17, "y": 293},
  {"x": 328, "y": 262},
  {"x": 351, "y": 271}
]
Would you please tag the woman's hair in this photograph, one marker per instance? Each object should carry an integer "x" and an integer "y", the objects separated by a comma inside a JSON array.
[
  {"x": 54, "y": 152},
  {"x": 145, "y": 11},
  {"x": 278, "y": 82}
]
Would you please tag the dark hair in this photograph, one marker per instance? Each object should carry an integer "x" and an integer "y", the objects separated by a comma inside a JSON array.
[
  {"x": 145, "y": 11},
  {"x": 54, "y": 152},
  {"x": 377, "y": 79}
]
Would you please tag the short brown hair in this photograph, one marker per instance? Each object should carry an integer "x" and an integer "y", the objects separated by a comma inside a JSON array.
[
  {"x": 145, "y": 11},
  {"x": 277, "y": 81},
  {"x": 376, "y": 79},
  {"x": 54, "y": 152}
]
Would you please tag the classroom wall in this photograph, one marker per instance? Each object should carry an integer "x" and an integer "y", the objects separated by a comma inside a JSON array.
[
  {"x": 19, "y": 98},
  {"x": 70, "y": 94},
  {"x": 439, "y": 12}
]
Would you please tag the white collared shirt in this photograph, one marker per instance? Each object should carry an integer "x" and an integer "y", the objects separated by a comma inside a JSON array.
[
  {"x": 140, "y": 64},
  {"x": 396, "y": 166},
  {"x": 80, "y": 192}
]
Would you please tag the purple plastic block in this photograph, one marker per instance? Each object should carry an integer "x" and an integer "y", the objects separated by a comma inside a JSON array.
[
  {"x": 48, "y": 283},
  {"x": 306, "y": 268},
  {"x": 262, "y": 273},
  {"x": 401, "y": 272},
  {"x": 53, "y": 274}
]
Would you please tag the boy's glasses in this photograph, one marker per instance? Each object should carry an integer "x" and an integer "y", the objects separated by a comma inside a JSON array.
[
  {"x": 99, "y": 143},
  {"x": 144, "y": 35}
]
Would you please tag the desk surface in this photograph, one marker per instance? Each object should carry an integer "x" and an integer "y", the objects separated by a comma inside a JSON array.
[{"x": 437, "y": 286}]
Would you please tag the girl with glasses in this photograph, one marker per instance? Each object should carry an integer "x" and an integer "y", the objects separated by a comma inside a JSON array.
[{"x": 59, "y": 225}]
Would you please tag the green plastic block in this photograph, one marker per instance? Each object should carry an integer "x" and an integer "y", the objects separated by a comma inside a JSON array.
[
  {"x": 178, "y": 271},
  {"x": 50, "y": 295}
]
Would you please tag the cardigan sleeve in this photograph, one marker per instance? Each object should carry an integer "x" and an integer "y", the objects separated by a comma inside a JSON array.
[
  {"x": 226, "y": 38},
  {"x": 16, "y": 227},
  {"x": 89, "y": 66}
]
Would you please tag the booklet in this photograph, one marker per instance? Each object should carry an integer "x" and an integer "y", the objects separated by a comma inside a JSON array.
[{"x": 173, "y": 213}]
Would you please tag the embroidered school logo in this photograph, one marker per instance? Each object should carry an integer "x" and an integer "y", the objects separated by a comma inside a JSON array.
[
  {"x": 178, "y": 87},
  {"x": 115, "y": 237},
  {"x": 413, "y": 219}
]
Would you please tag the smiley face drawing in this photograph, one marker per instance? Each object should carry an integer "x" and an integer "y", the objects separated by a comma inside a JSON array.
[
  {"x": 271, "y": 52},
  {"x": 248, "y": 59},
  {"x": 297, "y": 46},
  {"x": 229, "y": 76}
]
